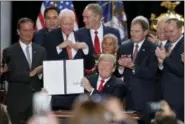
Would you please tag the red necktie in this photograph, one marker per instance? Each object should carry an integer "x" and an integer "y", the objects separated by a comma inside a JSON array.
[
  {"x": 97, "y": 44},
  {"x": 101, "y": 85},
  {"x": 69, "y": 52},
  {"x": 135, "y": 52}
]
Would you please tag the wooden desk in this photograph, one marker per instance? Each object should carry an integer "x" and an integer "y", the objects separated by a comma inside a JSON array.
[
  {"x": 63, "y": 114},
  {"x": 68, "y": 114}
]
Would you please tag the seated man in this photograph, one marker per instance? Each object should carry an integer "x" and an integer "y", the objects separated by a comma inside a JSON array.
[{"x": 104, "y": 82}]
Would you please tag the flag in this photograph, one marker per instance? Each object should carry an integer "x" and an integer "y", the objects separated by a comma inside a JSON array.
[
  {"x": 60, "y": 5},
  {"x": 114, "y": 16}
]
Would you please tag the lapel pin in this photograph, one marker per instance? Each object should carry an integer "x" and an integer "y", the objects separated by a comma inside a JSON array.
[{"x": 143, "y": 50}]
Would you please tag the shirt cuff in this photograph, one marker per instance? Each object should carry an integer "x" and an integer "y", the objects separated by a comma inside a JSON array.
[
  {"x": 86, "y": 50},
  {"x": 121, "y": 69},
  {"x": 40, "y": 76},
  {"x": 58, "y": 50},
  {"x": 161, "y": 66},
  {"x": 92, "y": 91}
]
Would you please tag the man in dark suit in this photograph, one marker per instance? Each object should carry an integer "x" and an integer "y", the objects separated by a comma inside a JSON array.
[
  {"x": 160, "y": 40},
  {"x": 104, "y": 82},
  {"x": 172, "y": 79},
  {"x": 24, "y": 61},
  {"x": 62, "y": 44},
  {"x": 51, "y": 21},
  {"x": 138, "y": 66},
  {"x": 93, "y": 32}
]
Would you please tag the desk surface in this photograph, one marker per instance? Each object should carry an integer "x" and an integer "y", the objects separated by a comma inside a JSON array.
[{"x": 68, "y": 114}]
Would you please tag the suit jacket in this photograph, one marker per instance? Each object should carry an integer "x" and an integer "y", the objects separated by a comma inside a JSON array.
[
  {"x": 172, "y": 79},
  {"x": 21, "y": 87},
  {"x": 86, "y": 37},
  {"x": 113, "y": 87},
  {"x": 39, "y": 36},
  {"x": 53, "y": 39},
  {"x": 141, "y": 84}
]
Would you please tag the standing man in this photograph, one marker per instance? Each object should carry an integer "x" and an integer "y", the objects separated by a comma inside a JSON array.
[
  {"x": 172, "y": 79},
  {"x": 138, "y": 66},
  {"x": 63, "y": 44},
  {"x": 94, "y": 31},
  {"x": 51, "y": 19},
  {"x": 24, "y": 60}
]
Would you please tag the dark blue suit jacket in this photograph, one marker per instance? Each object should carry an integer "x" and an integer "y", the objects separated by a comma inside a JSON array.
[
  {"x": 113, "y": 87},
  {"x": 141, "y": 84},
  {"x": 39, "y": 36},
  {"x": 53, "y": 39},
  {"x": 85, "y": 36},
  {"x": 21, "y": 86},
  {"x": 172, "y": 79}
]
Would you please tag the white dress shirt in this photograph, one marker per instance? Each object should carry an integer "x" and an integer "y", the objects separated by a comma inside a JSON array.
[
  {"x": 71, "y": 38},
  {"x": 23, "y": 46},
  {"x": 99, "y": 82},
  {"x": 100, "y": 35}
]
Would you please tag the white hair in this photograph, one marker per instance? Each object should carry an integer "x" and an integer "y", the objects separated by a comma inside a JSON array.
[{"x": 67, "y": 13}]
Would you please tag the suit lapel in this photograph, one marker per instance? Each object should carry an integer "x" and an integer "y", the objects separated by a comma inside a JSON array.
[
  {"x": 108, "y": 84},
  {"x": 21, "y": 54},
  {"x": 90, "y": 40},
  {"x": 76, "y": 52},
  {"x": 94, "y": 81},
  {"x": 34, "y": 52},
  {"x": 177, "y": 46},
  {"x": 130, "y": 47},
  {"x": 142, "y": 53}
]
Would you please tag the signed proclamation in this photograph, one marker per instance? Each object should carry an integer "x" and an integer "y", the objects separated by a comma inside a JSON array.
[{"x": 63, "y": 76}]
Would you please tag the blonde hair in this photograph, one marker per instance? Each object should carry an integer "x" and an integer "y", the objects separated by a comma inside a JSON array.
[{"x": 107, "y": 57}]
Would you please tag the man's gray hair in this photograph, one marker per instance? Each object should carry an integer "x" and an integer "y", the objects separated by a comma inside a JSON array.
[
  {"x": 111, "y": 36},
  {"x": 95, "y": 8},
  {"x": 143, "y": 21}
]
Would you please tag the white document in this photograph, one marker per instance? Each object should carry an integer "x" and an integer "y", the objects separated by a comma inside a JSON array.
[
  {"x": 74, "y": 75},
  {"x": 63, "y": 77},
  {"x": 53, "y": 72}
]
